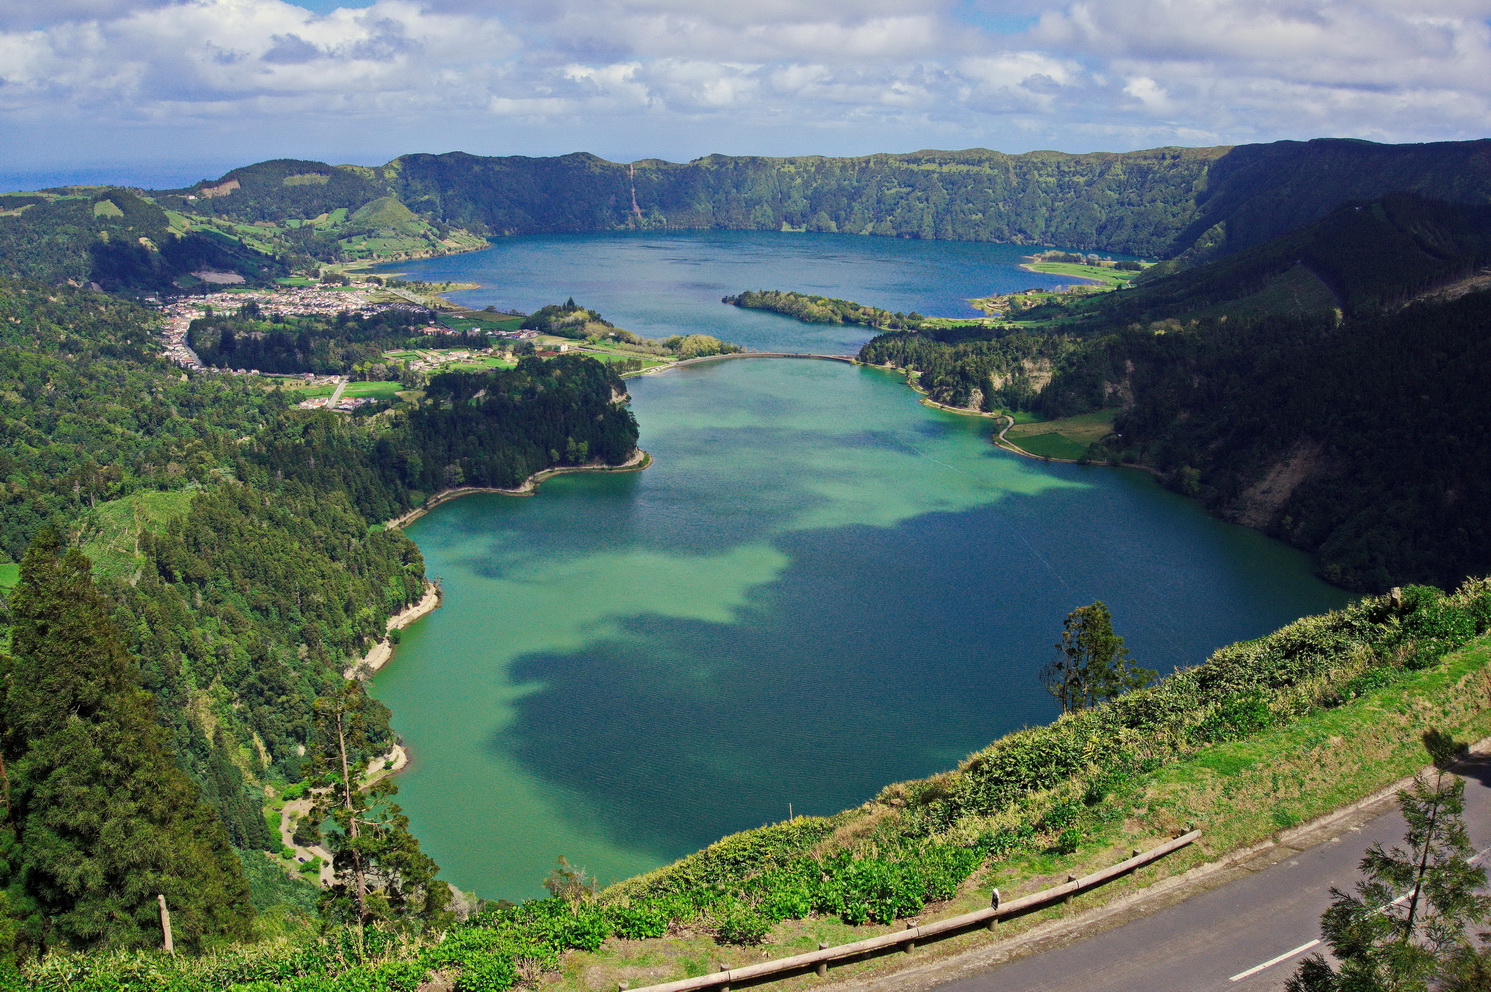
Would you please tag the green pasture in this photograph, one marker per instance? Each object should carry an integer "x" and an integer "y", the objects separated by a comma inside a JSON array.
[
  {"x": 111, "y": 531},
  {"x": 1068, "y": 437},
  {"x": 479, "y": 364},
  {"x": 377, "y": 389},
  {"x": 478, "y": 320},
  {"x": 1098, "y": 273},
  {"x": 10, "y": 574}
]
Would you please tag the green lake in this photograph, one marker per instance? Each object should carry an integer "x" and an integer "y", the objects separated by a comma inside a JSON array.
[{"x": 819, "y": 587}]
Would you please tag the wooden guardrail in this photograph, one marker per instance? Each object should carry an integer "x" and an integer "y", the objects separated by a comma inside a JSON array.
[{"x": 908, "y": 939}]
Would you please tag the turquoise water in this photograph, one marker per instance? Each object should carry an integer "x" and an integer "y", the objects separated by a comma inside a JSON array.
[{"x": 820, "y": 587}]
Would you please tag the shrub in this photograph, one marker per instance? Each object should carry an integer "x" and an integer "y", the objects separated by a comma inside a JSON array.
[
  {"x": 487, "y": 973},
  {"x": 737, "y": 923},
  {"x": 876, "y": 890},
  {"x": 648, "y": 919}
]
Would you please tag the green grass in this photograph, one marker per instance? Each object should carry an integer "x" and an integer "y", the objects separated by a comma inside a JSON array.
[
  {"x": 295, "y": 281},
  {"x": 1052, "y": 446},
  {"x": 476, "y": 320},
  {"x": 300, "y": 392},
  {"x": 111, "y": 531},
  {"x": 10, "y": 574},
  {"x": 377, "y": 390},
  {"x": 1239, "y": 793},
  {"x": 479, "y": 365},
  {"x": 1098, "y": 273},
  {"x": 1068, "y": 437},
  {"x": 648, "y": 361},
  {"x": 107, "y": 208}
]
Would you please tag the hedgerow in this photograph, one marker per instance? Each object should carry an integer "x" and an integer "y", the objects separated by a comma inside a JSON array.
[{"x": 1036, "y": 789}]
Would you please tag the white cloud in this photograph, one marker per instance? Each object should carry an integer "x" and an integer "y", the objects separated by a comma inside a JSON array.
[
  {"x": 211, "y": 53},
  {"x": 902, "y": 73}
]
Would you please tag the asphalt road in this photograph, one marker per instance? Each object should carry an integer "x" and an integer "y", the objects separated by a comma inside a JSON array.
[{"x": 1246, "y": 936}]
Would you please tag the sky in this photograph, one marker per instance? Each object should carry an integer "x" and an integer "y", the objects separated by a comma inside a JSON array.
[{"x": 165, "y": 92}]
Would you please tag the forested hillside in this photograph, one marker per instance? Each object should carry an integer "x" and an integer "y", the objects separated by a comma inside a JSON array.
[
  {"x": 190, "y": 563},
  {"x": 1290, "y": 386},
  {"x": 250, "y": 339},
  {"x": 1158, "y": 203},
  {"x": 235, "y": 557},
  {"x": 1192, "y": 204},
  {"x": 119, "y": 240}
]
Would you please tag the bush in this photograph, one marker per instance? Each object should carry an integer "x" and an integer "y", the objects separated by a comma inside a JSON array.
[
  {"x": 876, "y": 890},
  {"x": 737, "y": 923},
  {"x": 648, "y": 919},
  {"x": 487, "y": 973},
  {"x": 398, "y": 976}
]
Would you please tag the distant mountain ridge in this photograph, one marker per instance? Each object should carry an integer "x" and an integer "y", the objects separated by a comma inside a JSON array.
[
  {"x": 1186, "y": 205},
  {"x": 1165, "y": 202}
]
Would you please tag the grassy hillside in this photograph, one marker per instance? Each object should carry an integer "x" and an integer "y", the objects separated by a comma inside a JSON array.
[
  {"x": 1358, "y": 259},
  {"x": 1188, "y": 204},
  {"x": 121, "y": 241},
  {"x": 1259, "y": 738}
]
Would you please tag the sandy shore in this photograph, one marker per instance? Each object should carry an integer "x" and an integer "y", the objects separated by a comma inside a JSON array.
[
  {"x": 295, "y": 809},
  {"x": 379, "y": 653},
  {"x": 639, "y": 460}
]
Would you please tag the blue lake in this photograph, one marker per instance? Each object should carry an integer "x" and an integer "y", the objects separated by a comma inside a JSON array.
[{"x": 820, "y": 587}]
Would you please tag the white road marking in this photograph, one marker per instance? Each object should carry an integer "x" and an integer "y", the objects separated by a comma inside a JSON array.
[
  {"x": 1478, "y": 856},
  {"x": 1273, "y": 961}
]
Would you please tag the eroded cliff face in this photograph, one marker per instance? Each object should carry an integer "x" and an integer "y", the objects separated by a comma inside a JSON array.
[{"x": 1260, "y": 504}]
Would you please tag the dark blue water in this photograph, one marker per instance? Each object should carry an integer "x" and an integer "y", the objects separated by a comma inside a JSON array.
[
  {"x": 664, "y": 284},
  {"x": 819, "y": 588}
]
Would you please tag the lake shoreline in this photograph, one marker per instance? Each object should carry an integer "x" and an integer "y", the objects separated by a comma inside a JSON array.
[
  {"x": 639, "y": 460},
  {"x": 381, "y": 653}
]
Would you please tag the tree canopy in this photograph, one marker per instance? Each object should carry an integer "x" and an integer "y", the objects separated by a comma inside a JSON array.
[
  {"x": 102, "y": 819},
  {"x": 1092, "y": 665}
]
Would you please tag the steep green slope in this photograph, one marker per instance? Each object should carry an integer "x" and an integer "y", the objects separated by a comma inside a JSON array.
[
  {"x": 1161, "y": 202},
  {"x": 1258, "y": 192},
  {"x": 1190, "y": 204},
  {"x": 1261, "y": 736},
  {"x": 234, "y": 533},
  {"x": 120, "y": 240},
  {"x": 1365, "y": 441},
  {"x": 274, "y": 190},
  {"x": 1361, "y": 439},
  {"x": 1362, "y": 257}
]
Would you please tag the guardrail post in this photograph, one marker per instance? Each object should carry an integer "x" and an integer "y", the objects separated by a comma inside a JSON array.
[{"x": 825, "y": 955}]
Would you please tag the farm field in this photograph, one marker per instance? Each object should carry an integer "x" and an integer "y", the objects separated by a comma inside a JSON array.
[{"x": 1068, "y": 437}]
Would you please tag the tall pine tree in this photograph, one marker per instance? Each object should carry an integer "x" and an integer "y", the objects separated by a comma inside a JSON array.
[
  {"x": 380, "y": 872},
  {"x": 100, "y": 816}
]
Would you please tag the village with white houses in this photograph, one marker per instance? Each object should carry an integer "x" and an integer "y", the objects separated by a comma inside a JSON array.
[{"x": 293, "y": 301}]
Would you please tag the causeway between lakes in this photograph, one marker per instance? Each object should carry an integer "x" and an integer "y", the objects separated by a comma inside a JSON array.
[{"x": 818, "y": 588}]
